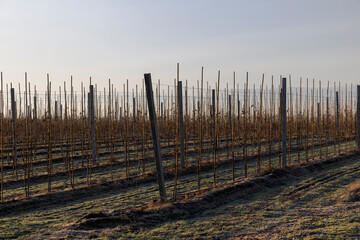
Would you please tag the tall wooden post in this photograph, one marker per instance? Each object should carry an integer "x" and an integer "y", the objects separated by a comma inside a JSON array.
[
  {"x": 162, "y": 118},
  {"x": 155, "y": 136},
  {"x": 231, "y": 138},
  {"x": 181, "y": 125},
  {"x": 213, "y": 118},
  {"x": 238, "y": 113},
  {"x": 134, "y": 115},
  {"x": 337, "y": 119},
  {"x": 2, "y": 139},
  {"x": 92, "y": 124},
  {"x": 35, "y": 125},
  {"x": 89, "y": 107},
  {"x": 56, "y": 110},
  {"x": 229, "y": 112},
  {"x": 13, "y": 111},
  {"x": 214, "y": 114},
  {"x": 283, "y": 121},
  {"x": 120, "y": 117},
  {"x": 358, "y": 116},
  {"x": 49, "y": 135}
]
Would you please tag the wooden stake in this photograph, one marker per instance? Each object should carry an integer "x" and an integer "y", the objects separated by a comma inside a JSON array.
[
  {"x": 283, "y": 121},
  {"x": 181, "y": 125},
  {"x": 13, "y": 111},
  {"x": 92, "y": 123},
  {"x": 155, "y": 136},
  {"x": 358, "y": 117}
]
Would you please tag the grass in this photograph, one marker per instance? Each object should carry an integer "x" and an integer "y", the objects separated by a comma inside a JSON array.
[
  {"x": 103, "y": 174},
  {"x": 352, "y": 193},
  {"x": 311, "y": 213},
  {"x": 55, "y": 217}
]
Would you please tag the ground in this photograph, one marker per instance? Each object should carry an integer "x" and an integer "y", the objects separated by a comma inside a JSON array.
[{"x": 313, "y": 201}]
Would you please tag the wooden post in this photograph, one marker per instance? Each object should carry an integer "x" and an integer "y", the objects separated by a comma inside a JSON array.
[
  {"x": 181, "y": 124},
  {"x": 92, "y": 121},
  {"x": 358, "y": 116},
  {"x": 56, "y": 110},
  {"x": 245, "y": 123},
  {"x": 13, "y": 111},
  {"x": 27, "y": 134},
  {"x": 259, "y": 123},
  {"x": 88, "y": 112},
  {"x": 162, "y": 118},
  {"x": 49, "y": 135},
  {"x": 283, "y": 121},
  {"x": 327, "y": 121},
  {"x": 238, "y": 111},
  {"x": 337, "y": 119},
  {"x": 155, "y": 136},
  {"x": 35, "y": 127},
  {"x": 231, "y": 137},
  {"x": 134, "y": 115},
  {"x": 2, "y": 139},
  {"x": 120, "y": 132},
  {"x": 214, "y": 132},
  {"x": 318, "y": 128},
  {"x": 272, "y": 105},
  {"x": 229, "y": 112}
]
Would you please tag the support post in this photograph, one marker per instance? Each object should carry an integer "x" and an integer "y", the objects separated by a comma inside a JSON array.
[
  {"x": 181, "y": 125},
  {"x": 155, "y": 136},
  {"x": 337, "y": 119},
  {"x": 229, "y": 106},
  {"x": 56, "y": 110},
  {"x": 92, "y": 121},
  {"x": 162, "y": 118},
  {"x": 120, "y": 117},
  {"x": 358, "y": 117},
  {"x": 134, "y": 115},
  {"x": 35, "y": 120},
  {"x": 213, "y": 118},
  {"x": 89, "y": 107},
  {"x": 49, "y": 135},
  {"x": 61, "y": 122},
  {"x": 238, "y": 112},
  {"x": 13, "y": 111},
  {"x": 283, "y": 121}
]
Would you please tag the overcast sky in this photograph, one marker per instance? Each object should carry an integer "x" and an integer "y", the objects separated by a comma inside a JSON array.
[{"x": 124, "y": 39}]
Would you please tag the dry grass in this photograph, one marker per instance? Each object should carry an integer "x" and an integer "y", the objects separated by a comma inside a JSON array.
[
  {"x": 352, "y": 192},
  {"x": 294, "y": 203}
]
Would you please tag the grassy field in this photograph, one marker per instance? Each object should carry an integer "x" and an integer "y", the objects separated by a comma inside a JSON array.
[
  {"x": 299, "y": 203},
  {"x": 306, "y": 203}
]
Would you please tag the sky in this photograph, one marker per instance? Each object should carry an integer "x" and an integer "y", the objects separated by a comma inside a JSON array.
[{"x": 121, "y": 40}]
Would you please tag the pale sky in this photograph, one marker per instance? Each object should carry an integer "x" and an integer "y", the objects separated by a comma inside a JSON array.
[{"x": 124, "y": 39}]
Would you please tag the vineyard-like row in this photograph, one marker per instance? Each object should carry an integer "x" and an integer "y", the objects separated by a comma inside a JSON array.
[{"x": 77, "y": 139}]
